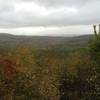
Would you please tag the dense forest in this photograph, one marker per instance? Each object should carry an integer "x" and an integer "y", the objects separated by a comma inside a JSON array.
[{"x": 51, "y": 74}]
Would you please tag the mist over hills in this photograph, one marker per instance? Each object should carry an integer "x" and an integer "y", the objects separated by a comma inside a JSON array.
[{"x": 42, "y": 42}]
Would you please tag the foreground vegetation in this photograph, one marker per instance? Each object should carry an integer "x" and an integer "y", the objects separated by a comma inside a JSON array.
[{"x": 51, "y": 74}]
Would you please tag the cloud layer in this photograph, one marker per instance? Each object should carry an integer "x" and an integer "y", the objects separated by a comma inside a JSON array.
[
  {"x": 28, "y": 13},
  {"x": 48, "y": 13}
]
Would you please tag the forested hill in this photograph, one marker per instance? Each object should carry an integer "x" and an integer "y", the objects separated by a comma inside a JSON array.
[{"x": 42, "y": 42}]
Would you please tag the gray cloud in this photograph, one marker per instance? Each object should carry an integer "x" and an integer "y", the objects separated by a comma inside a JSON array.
[
  {"x": 29, "y": 13},
  {"x": 57, "y": 3}
]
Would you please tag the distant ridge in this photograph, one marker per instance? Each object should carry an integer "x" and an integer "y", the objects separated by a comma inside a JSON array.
[{"x": 39, "y": 42}]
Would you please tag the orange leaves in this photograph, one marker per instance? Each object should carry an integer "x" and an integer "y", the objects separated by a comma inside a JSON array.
[{"x": 8, "y": 68}]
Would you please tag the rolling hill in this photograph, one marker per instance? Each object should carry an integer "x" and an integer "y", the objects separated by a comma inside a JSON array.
[{"x": 43, "y": 42}]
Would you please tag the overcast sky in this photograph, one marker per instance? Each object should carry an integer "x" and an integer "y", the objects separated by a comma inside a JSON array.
[{"x": 49, "y": 17}]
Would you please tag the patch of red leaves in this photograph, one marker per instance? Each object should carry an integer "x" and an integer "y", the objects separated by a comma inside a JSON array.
[{"x": 7, "y": 68}]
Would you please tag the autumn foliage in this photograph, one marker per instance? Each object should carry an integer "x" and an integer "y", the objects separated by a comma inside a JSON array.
[
  {"x": 7, "y": 67},
  {"x": 27, "y": 74}
]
